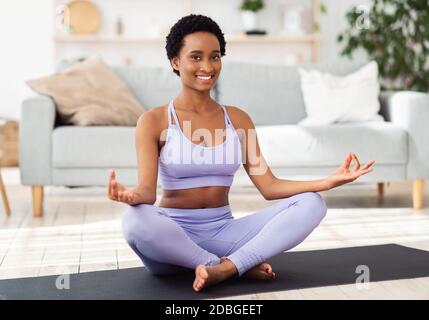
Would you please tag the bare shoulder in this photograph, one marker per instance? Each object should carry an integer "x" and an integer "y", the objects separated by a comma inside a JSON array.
[
  {"x": 153, "y": 114},
  {"x": 154, "y": 120},
  {"x": 239, "y": 117}
]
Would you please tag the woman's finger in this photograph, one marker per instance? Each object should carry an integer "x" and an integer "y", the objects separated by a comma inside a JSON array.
[
  {"x": 117, "y": 190},
  {"x": 112, "y": 175},
  {"x": 347, "y": 161},
  {"x": 112, "y": 178},
  {"x": 368, "y": 164},
  {"x": 109, "y": 190},
  {"x": 361, "y": 173},
  {"x": 112, "y": 189},
  {"x": 357, "y": 163}
]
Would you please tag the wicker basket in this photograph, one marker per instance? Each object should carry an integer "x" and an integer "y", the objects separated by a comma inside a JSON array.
[{"x": 9, "y": 155}]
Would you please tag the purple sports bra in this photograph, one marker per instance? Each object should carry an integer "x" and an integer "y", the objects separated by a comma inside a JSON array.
[{"x": 184, "y": 164}]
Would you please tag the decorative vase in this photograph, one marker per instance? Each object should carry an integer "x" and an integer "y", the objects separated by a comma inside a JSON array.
[{"x": 249, "y": 20}]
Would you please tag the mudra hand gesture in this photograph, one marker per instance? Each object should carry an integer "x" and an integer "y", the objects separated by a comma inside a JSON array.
[
  {"x": 343, "y": 174},
  {"x": 117, "y": 191}
]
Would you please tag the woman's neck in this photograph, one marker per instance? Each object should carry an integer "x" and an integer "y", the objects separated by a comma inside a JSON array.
[{"x": 194, "y": 101}]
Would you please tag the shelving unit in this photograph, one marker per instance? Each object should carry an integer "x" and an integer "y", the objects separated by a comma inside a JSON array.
[
  {"x": 230, "y": 38},
  {"x": 311, "y": 39}
]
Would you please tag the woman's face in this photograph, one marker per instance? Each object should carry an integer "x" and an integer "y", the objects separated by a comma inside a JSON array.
[{"x": 199, "y": 61}]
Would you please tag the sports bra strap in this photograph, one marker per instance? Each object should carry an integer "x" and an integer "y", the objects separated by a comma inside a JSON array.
[
  {"x": 172, "y": 112},
  {"x": 227, "y": 120}
]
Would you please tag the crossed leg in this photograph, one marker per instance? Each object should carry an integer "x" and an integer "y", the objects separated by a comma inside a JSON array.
[
  {"x": 162, "y": 245},
  {"x": 264, "y": 234},
  {"x": 246, "y": 242}
]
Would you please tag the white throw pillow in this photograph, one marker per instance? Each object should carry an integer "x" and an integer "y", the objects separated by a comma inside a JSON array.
[{"x": 333, "y": 99}]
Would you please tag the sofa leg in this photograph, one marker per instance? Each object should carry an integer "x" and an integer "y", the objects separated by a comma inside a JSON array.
[
  {"x": 37, "y": 192},
  {"x": 4, "y": 196},
  {"x": 380, "y": 188},
  {"x": 418, "y": 188}
]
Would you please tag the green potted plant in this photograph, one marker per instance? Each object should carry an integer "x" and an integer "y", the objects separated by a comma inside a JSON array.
[
  {"x": 249, "y": 9},
  {"x": 395, "y": 34}
]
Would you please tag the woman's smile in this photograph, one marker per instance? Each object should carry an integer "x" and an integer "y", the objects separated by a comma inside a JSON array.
[{"x": 205, "y": 79}]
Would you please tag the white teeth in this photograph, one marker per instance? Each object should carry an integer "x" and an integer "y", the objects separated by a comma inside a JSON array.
[{"x": 204, "y": 78}]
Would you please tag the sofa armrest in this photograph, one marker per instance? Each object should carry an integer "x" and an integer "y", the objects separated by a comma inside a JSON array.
[
  {"x": 410, "y": 110},
  {"x": 35, "y": 140}
]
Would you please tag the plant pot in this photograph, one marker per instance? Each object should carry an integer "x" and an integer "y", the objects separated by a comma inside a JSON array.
[{"x": 249, "y": 20}]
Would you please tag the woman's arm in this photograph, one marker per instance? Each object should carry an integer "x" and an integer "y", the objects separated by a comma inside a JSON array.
[
  {"x": 340, "y": 176},
  {"x": 272, "y": 187},
  {"x": 146, "y": 141}
]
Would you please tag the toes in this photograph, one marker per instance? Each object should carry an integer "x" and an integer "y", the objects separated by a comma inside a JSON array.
[
  {"x": 195, "y": 286},
  {"x": 267, "y": 267},
  {"x": 201, "y": 276},
  {"x": 198, "y": 284}
]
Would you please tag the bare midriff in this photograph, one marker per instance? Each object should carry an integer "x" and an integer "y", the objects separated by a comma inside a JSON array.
[{"x": 195, "y": 198}]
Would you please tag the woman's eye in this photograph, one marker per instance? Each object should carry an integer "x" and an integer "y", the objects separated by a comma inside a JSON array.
[{"x": 217, "y": 57}]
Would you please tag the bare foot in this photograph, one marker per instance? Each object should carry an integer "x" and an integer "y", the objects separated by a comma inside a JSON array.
[
  {"x": 262, "y": 271},
  {"x": 209, "y": 275}
]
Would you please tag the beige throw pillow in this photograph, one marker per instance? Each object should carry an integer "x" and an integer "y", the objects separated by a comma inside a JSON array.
[{"x": 90, "y": 93}]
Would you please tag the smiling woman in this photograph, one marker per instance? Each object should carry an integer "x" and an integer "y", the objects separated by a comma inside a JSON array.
[{"x": 193, "y": 227}]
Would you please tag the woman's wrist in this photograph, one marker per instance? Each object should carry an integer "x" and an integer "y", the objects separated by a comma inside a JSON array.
[
  {"x": 143, "y": 196},
  {"x": 324, "y": 185}
]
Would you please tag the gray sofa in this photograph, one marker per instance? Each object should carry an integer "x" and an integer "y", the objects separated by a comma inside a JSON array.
[{"x": 58, "y": 155}]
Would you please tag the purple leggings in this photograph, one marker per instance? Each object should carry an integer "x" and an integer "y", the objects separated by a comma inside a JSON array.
[{"x": 170, "y": 240}]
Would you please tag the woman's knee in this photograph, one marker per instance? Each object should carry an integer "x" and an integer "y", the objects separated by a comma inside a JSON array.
[
  {"x": 135, "y": 222},
  {"x": 316, "y": 204},
  {"x": 313, "y": 201}
]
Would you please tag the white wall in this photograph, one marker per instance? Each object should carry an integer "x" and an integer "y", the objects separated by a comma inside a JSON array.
[
  {"x": 332, "y": 24},
  {"x": 26, "y": 50},
  {"x": 26, "y": 30}
]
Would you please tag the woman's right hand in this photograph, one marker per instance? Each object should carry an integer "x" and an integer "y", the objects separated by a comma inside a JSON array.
[{"x": 117, "y": 191}]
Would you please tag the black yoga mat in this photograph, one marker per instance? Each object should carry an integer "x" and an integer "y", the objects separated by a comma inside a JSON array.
[{"x": 294, "y": 270}]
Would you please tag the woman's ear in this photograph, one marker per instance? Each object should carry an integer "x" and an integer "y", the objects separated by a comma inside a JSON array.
[{"x": 175, "y": 63}]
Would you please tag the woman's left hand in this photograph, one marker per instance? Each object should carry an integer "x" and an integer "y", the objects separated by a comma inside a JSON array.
[{"x": 343, "y": 174}]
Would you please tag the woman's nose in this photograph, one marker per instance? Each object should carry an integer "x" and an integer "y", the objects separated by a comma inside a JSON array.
[{"x": 207, "y": 67}]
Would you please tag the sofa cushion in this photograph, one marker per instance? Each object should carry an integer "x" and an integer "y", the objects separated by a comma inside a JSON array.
[
  {"x": 153, "y": 86},
  {"x": 93, "y": 147},
  {"x": 270, "y": 94},
  {"x": 282, "y": 145},
  {"x": 332, "y": 99},
  {"x": 295, "y": 146},
  {"x": 90, "y": 93}
]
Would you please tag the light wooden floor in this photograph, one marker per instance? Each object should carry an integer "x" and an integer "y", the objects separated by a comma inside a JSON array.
[{"x": 80, "y": 232}]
